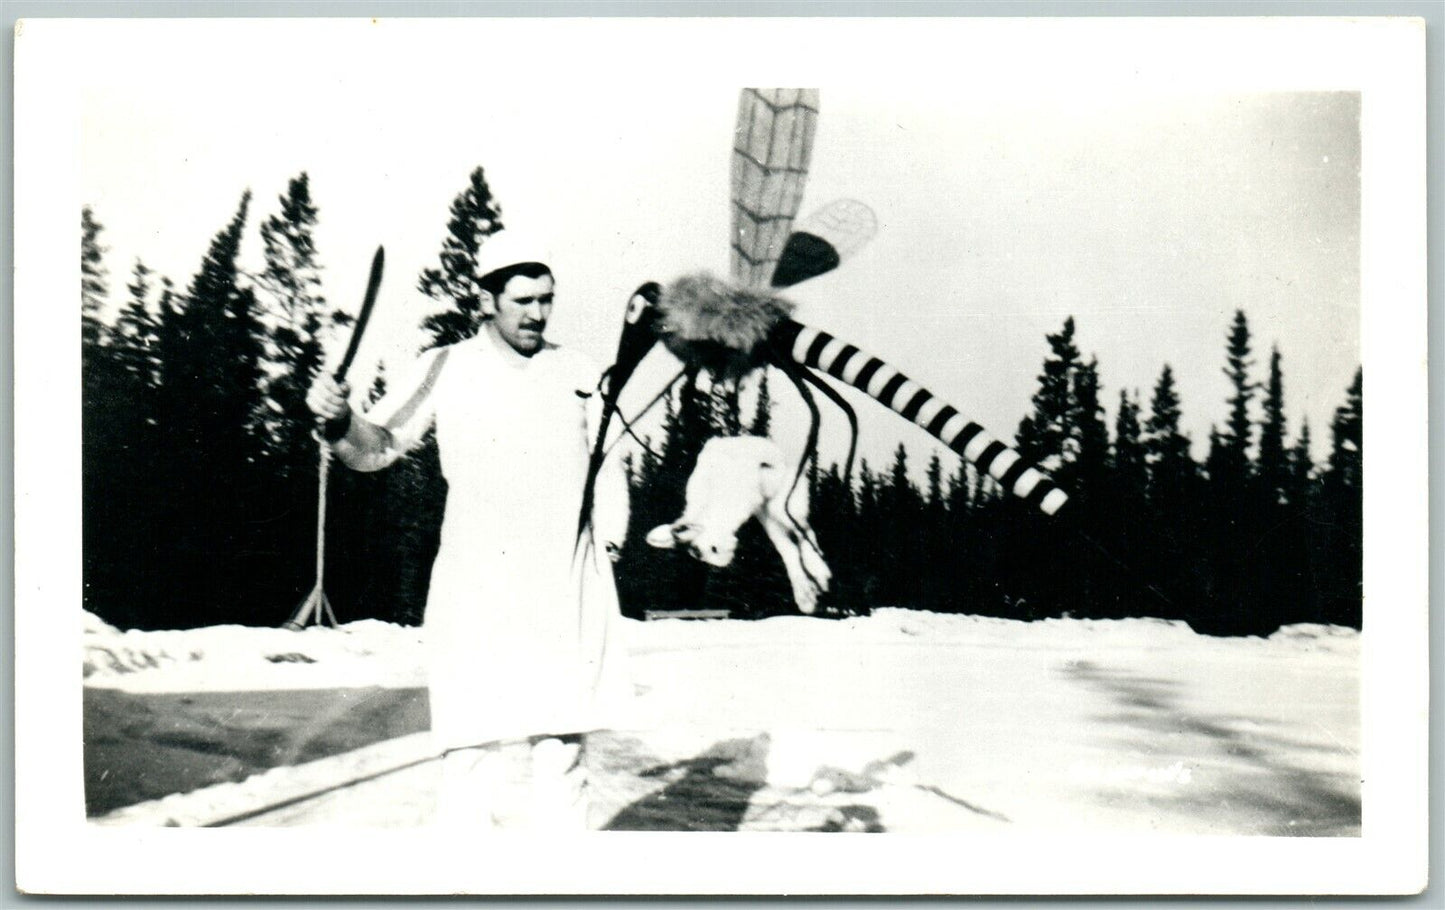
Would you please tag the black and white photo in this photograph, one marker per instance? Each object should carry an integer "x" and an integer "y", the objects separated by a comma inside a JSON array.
[{"x": 475, "y": 435}]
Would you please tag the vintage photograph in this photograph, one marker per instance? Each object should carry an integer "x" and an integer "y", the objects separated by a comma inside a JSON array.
[{"x": 469, "y": 454}]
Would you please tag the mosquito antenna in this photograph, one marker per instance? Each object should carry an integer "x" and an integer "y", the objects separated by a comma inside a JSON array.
[
  {"x": 611, "y": 409},
  {"x": 627, "y": 423}
]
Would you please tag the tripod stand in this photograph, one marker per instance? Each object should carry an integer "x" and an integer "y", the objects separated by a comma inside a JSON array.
[{"x": 316, "y": 608}]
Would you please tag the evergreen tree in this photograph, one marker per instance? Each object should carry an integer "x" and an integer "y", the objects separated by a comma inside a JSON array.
[
  {"x": 726, "y": 408},
  {"x": 213, "y": 360},
  {"x": 935, "y": 500},
  {"x": 1239, "y": 531},
  {"x": 762, "y": 411},
  {"x": 901, "y": 511},
  {"x": 1128, "y": 464},
  {"x": 1234, "y": 465},
  {"x": 1273, "y": 460},
  {"x": 1279, "y": 518},
  {"x": 985, "y": 489},
  {"x": 958, "y": 498},
  {"x": 1340, "y": 573},
  {"x": 235, "y": 369},
  {"x": 1301, "y": 467},
  {"x": 299, "y": 321},
  {"x": 965, "y": 561},
  {"x": 1217, "y": 461},
  {"x": 869, "y": 551},
  {"x": 137, "y": 310},
  {"x": 900, "y": 492},
  {"x": 293, "y": 273},
  {"x": 695, "y": 421},
  {"x": 1091, "y": 467},
  {"x": 128, "y": 492},
  {"x": 1171, "y": 554},
  {"x": 867, "y": 489},
  {"x": 475, "y": 215},
  {"x": 99, "y": 395},
  {"x": 629, "y": 469},
  {"x": 1293, "y": 561},
  {"x": 413, "y": 502},
  {"x": 1171, "y": 468},
  {"x": 292, "y": 315},
  {"x": 135, "y": 352},
  {"x": 1048, "y": 436},
  {"x": 102, "y": 432},
  {"x": 172, "y": 348},
  {"x": 1346, "y": 460},
  {"x": 636, "y": 568},
  {"x": 210, "y": 389},
  {"x": 93, "y": 287},
  {"x": 834, "y": 519},
  {"x": 935, "y": 584}
]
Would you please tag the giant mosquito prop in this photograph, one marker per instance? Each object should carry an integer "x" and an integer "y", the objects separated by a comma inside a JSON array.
[{"x": 730, "y": 328}]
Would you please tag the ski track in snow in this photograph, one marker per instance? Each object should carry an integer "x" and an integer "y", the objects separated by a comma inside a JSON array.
[{"x": 899, "y": 721}]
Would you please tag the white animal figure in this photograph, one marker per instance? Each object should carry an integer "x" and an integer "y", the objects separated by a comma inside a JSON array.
[{"x": 742, "y": 477}]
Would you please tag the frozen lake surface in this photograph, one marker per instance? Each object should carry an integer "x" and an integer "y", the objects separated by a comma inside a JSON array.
[{"x": 900, "y": 721}]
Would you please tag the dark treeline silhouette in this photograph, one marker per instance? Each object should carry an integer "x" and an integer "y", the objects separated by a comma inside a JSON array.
[
  {"x": 199, "y": 461},
  {"x": 200, "y": 474},
  {"x": 1256, "y": 537}
]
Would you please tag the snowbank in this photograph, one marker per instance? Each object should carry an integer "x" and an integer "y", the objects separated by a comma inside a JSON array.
[
  {"x": 373, "y": 653},
  {"x": 900, "y": 626},
  {"x": 234, "y": 658}
]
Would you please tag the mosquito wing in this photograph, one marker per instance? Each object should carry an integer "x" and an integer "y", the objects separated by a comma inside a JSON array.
[
  {"x": 823, "y": 240},
  {"x": 771, "y": 149}
]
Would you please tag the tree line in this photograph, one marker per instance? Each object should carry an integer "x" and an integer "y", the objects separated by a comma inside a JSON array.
[
  {"x": 1256, "y": 536},
  {"x": 200, "y": 473},
  {"x": 199, "y": 463}
]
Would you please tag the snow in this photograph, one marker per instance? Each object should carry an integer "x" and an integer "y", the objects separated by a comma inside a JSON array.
[
  {"x": 931, "y": 722},
  {"x": 1135, "y": 724},
  {"x": 243, "y": 658}
]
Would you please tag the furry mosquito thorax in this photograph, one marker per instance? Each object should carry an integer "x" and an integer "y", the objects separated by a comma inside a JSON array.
[{"x": 714, "y": 324}]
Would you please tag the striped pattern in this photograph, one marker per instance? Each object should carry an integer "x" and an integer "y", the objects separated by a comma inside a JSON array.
[
  {"x": 772, "y": 145},
  {"x": 819, "y": 350}
]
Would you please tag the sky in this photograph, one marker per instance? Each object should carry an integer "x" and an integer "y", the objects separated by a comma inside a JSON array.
[{"x": 1149, "y": 213}]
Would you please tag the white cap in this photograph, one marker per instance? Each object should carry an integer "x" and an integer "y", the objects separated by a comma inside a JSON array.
[{"x": 510, "y": 247}]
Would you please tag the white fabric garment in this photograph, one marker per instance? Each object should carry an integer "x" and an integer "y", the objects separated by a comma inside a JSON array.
[{"x": 521, "y": 621}]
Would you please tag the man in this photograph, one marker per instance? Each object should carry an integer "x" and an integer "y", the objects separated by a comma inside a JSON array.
[{"x": 521, "y": 617}]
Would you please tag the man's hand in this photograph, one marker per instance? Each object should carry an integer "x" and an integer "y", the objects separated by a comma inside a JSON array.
[{"x": 327, "y": 399}]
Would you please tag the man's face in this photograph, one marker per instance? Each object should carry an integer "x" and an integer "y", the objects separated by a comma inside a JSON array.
[{"x": 523, "y": 308}]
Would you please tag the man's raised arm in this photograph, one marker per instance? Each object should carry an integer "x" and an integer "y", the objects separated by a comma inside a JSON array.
[{"x": 391, "y": 428}]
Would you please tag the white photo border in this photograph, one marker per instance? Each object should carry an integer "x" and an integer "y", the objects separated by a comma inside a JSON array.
[{"x": 56, "y": 852}]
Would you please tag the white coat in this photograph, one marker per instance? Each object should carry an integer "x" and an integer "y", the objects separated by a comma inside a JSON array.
[{"x": 521, "y": 619}]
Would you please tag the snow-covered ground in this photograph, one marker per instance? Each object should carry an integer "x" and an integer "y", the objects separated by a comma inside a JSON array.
[
  {"x": 240, "y": 658},
  {"x": 900, "y": 721}
]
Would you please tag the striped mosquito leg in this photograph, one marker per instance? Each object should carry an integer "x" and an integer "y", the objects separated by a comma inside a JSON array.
[{"x": 887, "y": 386}]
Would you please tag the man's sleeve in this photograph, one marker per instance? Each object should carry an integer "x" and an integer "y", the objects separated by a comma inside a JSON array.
[{"x": 396, "y": 424}]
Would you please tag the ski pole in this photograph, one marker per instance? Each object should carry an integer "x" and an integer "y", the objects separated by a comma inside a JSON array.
[{"x": 317, "y": 607}]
